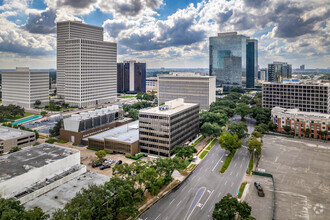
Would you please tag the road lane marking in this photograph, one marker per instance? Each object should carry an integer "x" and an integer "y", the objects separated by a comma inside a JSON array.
[
  {"x": 219, "y": 194},
  {"x": 192, "y": 205},
  {"x": 172, "y": 201},
  {"x": 231, "y": 173},
  {"x": 207, "y": 199},
  {"x": 189, "y": 190},
  {"x": 217, "y": 163},
  {"x": 226, "y": 182},
  {"x": 232, "y": 184},
  {"x": 157, "y": 217},
  {"x": 178, "y": 203},
  {"x": 235, "y": 164}
]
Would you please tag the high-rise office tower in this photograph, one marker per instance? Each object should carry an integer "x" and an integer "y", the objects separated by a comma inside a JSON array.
[
  {"x": 251, "y": 62},
  {"x": 23, "y": 87},
  {"x": 228, "y": 59},
  {"x": 71, "y": 30},
  {"x": 277, "y": 71},
  {"x": 86, "y": 65},
  {"x": 302, "y": 67},
  {"x": 131, "y": 77}
]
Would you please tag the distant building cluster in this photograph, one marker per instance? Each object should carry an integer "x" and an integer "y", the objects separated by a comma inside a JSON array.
[{"x": 131, "y": 77}]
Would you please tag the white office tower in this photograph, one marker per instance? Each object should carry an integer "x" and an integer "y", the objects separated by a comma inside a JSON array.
[
  {"x": 23, "y": 87},
  {"x": 86, "y": 65}
]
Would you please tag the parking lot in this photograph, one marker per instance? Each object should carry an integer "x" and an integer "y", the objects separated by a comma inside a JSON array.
[
  {"x": 300, "y": 168},
  {"x": 42, "y": 126}
]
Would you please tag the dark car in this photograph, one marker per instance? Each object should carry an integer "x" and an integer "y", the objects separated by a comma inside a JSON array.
[
  {"x": 119, "y": 162},
  {"x": 97, "y": 164},
  {"x": 259, "y": 188},
  {"x": 105, "y": 166}
]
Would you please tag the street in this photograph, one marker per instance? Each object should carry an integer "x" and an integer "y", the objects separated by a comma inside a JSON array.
[{"x": 196, "y": 196}]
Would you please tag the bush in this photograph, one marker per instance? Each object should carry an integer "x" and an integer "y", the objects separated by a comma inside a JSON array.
[
  {"x": 135, "y": 157},
  {"x": 94, "y": 149},
  {"x": 227, "y": 162},
  {"x": 51, "y": 141}
]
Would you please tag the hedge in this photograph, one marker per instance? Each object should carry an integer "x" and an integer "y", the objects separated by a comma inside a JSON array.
[
  {"x": 135, "y": 157},
  {"x": 250, "y": 168}
]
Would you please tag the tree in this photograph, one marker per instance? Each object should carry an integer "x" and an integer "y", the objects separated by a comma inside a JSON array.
[
  {"x": 239, "y": 128},
  {"x": 56, "y": 129},
  {"x": 220, "y": 119},
  {"x": 126, "y": 107},
  {"x": 37, "y": 103},
  {"x": 134, "y": 114},
  {"x": 256, "y": 134},
  {"x": 272, "y": 126},
  {"x": 245, "y": 99},
  {"x": 261, "y": 115},
  {"x": 100, "y": 154},
  {"x": 14, "y": 149},
  {"x": 242, "y": 109},
  {"x": 184, "y": 152},
  {"x": 43, "y": 113},
  {"x": 287, "y": 129},
  {"x": 230, "y": 209},
  {"x": 211, "y": 129},
  {"x": 229, "y": 142},
  {"x": 254, "y": 145},
  {"x": 236, "y": 89}
]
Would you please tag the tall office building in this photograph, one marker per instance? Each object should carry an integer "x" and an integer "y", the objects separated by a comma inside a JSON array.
[
  {"x": 302, "y": 67},
  {"x": 131, "y": 77},
  {"x": 263, "y": 74},
  {"x": 162, "y": 128},
  {"x": 192, "y": 87},
  {"x": 277, "y": 71},
  {"x": 86, "y": 65},
  {"x": 23, "y": 87},
  {"x": 228, "y": 59},
  {"x": 305, "y": 97},
  {"x": 251, "y": 62}
]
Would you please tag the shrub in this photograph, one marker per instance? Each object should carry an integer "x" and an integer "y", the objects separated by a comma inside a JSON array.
[{"x": 135, "y": 157}]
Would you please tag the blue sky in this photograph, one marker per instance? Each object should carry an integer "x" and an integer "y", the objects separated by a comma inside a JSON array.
[{"x": 172, "y": 34}]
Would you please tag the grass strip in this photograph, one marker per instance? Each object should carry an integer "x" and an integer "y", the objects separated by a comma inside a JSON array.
[
  {"x": 227, "y": 162},
  {"x": 126, "y": 96},
  {"x": 203, "y": 154},
  {"x": 250, "y": 168},
  {"x": 212, "y": 144},
  {"x": 241, "y": 189},
  {"x": 201, "y": 138}
]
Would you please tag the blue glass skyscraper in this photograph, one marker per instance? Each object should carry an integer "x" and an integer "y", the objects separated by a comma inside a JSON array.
[
  {"x": 228, "y": 59},
  {"x": 251, "y": 62}
]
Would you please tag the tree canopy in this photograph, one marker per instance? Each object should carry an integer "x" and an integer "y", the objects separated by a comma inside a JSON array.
[
  {"x": 100, "y": 154},
  {"x": 210, "y": 129},
  {"x": 184, "y": 152},
  {"x": 10, "y": 112},
  {"x": 56, "y": 129},
  {"x": 219, "y": 118},
  {"x": 239, "y": 128},
  {"x": 254, "y": 145},
  {"x": 242, "y": 109},
  {"x": 229, "y": 142}
]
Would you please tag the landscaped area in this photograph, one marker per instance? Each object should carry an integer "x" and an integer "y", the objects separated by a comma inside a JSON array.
[
  {"x": 227, "y": 162},
  {"x": 126, "y": 96}
]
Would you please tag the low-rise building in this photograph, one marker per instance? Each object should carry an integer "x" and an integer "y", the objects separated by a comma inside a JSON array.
[
  {"x": 122, "y": 139},
  {"x": 12, "y": 137},
  {"x": 301, "y": 121},
  {"x": 190, "y": 86},
  {"x": 162, "y": 128}
]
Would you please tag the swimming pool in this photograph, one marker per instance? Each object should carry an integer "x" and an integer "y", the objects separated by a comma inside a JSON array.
[{"x": 27, "y": 119}]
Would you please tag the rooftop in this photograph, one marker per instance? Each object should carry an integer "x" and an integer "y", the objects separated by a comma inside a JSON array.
[
  {"x": 298, "y": 83},
  {"x": 297, "y": 112},
  {"x": 128, "y": 133},
  {"x": 7, "y": 133},
  {"x": 30, "y": 158},
  {"x": 185, "y": 74},
  {"x": 170, "y": 107}
]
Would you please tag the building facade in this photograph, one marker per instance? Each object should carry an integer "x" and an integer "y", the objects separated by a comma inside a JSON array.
[
  {"x": 302, "y": 121},
  {"x": 251, "y": 62},
  {"x": 164, "y": 127},
  {"x": 90, "y": 72},
  {"x": 151, "y": 83},
  {"x": 227, "y": 59},
  {"x": 277, "y": 71},
  {"x": 12, "y": 137},
  {"x": 67, "y": 30},
  {"x": 192, "y": 87},
  {"x": 23, "y": 87},
  {"x": 263, "y": 74},
  {"x": 305, "y": 97},
  {"x": 131, "y": 77}
]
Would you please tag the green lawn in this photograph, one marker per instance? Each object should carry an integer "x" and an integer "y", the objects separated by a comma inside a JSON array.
[
  {"x": 201, "y": 138},
  {"x": 227, "y": 162},
  {"x": 212, "y": 144},
  {"x": 126, "y": 96},
  {"x": 26, "y": 114},
  {"x": 250, "y": 168},
  {"x": 203, "y": 154},
  {"x": 241, "y": 190}
]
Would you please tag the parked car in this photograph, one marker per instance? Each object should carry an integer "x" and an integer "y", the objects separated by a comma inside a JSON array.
[
  {"x": 105, "y": 166},
  {"x": 145, "y": 155},
  {"x": 97, "y": 164},
  {"x": 119, "y": 162},
  {"x": 259, "y": 188},
  {"x": 110, "y": 161}
]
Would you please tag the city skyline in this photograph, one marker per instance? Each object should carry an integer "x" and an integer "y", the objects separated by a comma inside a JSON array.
[{"x": 166, "y": 33}]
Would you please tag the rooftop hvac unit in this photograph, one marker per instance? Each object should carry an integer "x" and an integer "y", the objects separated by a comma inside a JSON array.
[
  {"x": 76, "y": 117},
  {"x": 92, "y": 113},
  {"x": 163, "y": 107},
  {"x": 84, "y": 115}
]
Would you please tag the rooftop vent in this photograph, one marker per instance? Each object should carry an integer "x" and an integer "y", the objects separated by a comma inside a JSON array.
[{"x": 163, "y": 107}]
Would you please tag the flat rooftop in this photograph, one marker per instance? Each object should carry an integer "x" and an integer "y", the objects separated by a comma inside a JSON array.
[
  {"x": 58, "y": 197},
  {"x": 297, "y": 112},
  {"x": 128, "y": 133},
  {"x": 175, "y": 106},
  {"x": 29, "y": 158},
  {"x": 7, "y": 133}
]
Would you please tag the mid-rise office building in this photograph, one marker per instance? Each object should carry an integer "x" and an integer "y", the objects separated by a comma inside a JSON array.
[
  {"x": 90, "y": 72},
  {"x": 192, "y": 87},
  {"x": 67, "y": 30},
  {"x": 277, "y": 71},
  {"x": 23, "y": 87},
  {"x": 305, "y": 97},
  {"x": 131, "y": 77},
  {"x": 164, "y": 127},
  {"x": 263, "y": 74},
  {"x": 227, "y": 59},
  {"x": 301, "y": 121},
  {"x": 151, "y": 83},
  {"x": 251, "y": 62}
]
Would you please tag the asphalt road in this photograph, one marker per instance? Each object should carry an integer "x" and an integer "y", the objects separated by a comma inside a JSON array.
[{"x": 196, "y": 197}]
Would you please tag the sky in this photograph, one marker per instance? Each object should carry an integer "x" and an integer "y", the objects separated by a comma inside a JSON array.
[{"x": 169, "y": 33}]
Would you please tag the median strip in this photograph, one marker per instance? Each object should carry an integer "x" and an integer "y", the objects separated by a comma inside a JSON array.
[
  {"x": 241, "y": 190},
  {"x": 227, "y": 162}
]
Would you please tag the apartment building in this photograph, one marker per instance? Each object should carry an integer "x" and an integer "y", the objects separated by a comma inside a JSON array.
[
  {"x": 190, "y": 86},
  {"x": 300, "y": 121},
  {"x": 305, "y": 97},
  {"x": 12, "y": 137},
  {"x": 23, "y": 87},
  {"x": 131, "y": 77},
  {"x": 164, "y": 127},
  {"x": 71, "y": 30},
  {"x": 90, "y": 72}
]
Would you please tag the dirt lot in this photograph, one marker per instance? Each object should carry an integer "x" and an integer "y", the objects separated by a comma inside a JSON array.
[{"x": 302, "y": 179}]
